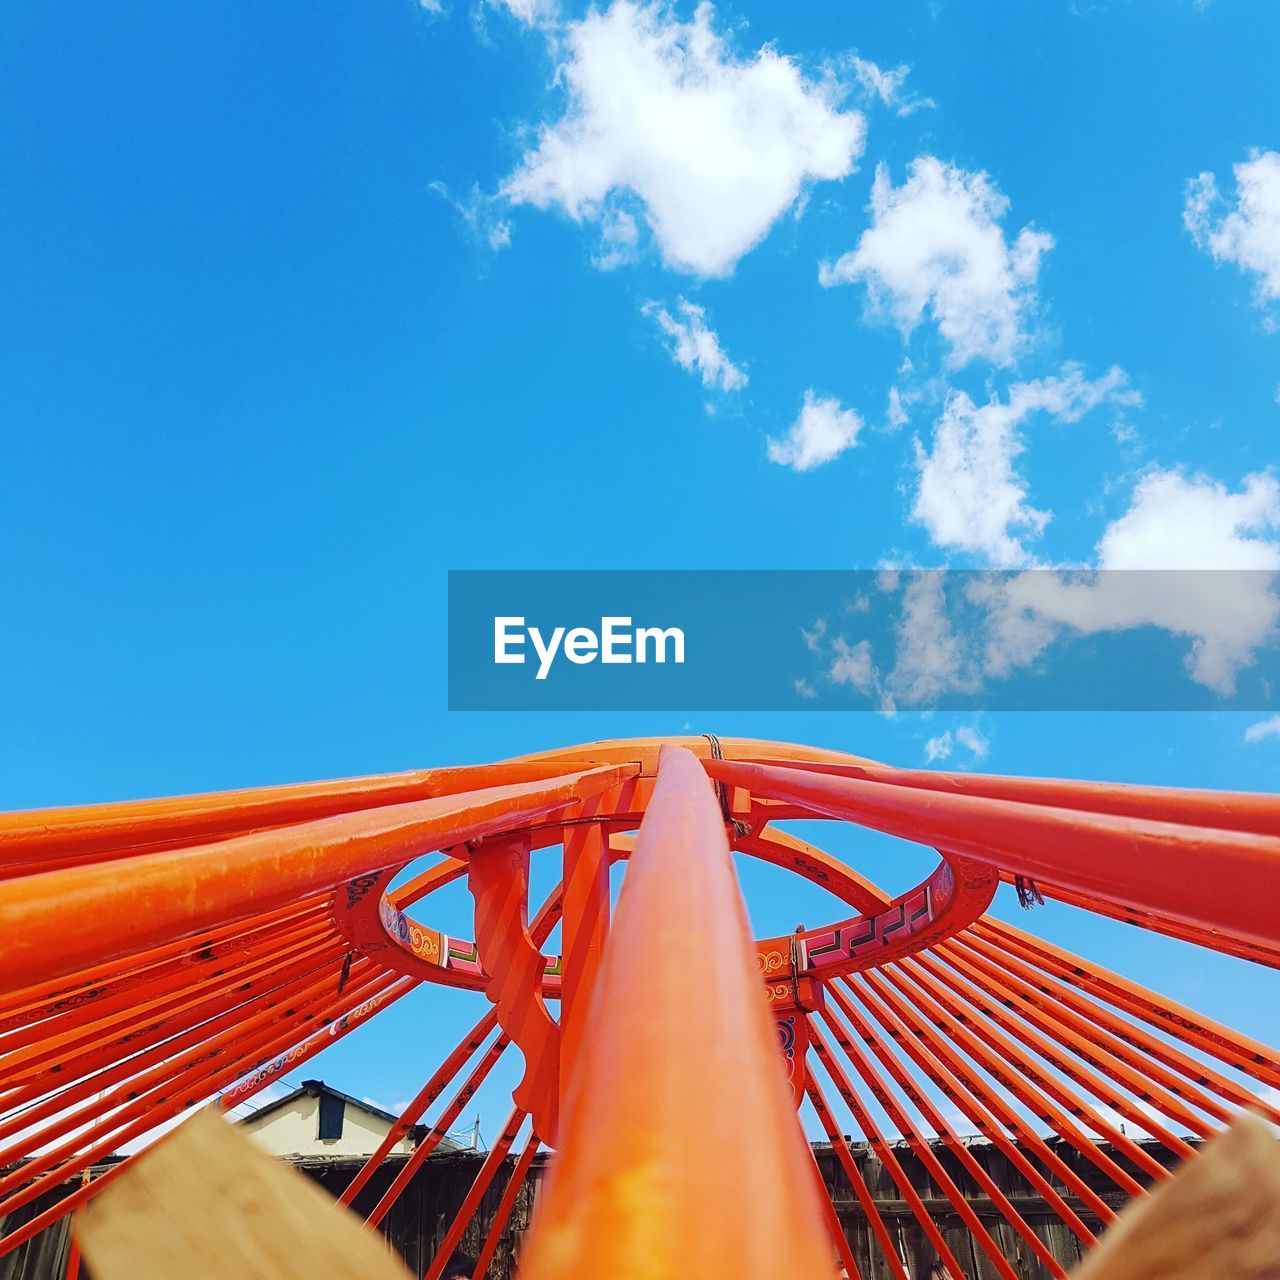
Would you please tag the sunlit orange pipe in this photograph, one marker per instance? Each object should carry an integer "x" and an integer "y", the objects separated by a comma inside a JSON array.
[
  {"x": 92, "y": 1073},
  {"x": 22, "y": 1052},
  {"x": 294, "y": 1055},
  {"x": 45, "y": 998},
  {"x": 655, "y": 1159},
  {"x": 149, "y": 1100},
  {"x": 498, "y": 1226},
  {"x": 168, "y": 1099},
  {"x": 151, "y": 986},
  {"x": 475, "y": 1193},
  {"x": 438, "y": 1131},
  {"x": 46, "y": 1217},
  {"x": 835, "y": 1228},
  {"x": 920, "y": 1145},
  {"x": 31, "y": 835},
  {"x": 415, "y": 1110},
  {"x": 1125, "y": 1039},
  {"x": 1224, "y": 879},
  {"x": 583, "y": 931},
  {"x": 1225, "y": 810},
  {"x": 106, "y": 1114},
  {"x": 850, "y": 1166},
  {"x": 96, "y": 1051},
  {"x": 870, "y": 1034},
  {"x": 118, "y": 1044},
  {"x": 1245, "y": 949},
  {"x": 444, "y": 872},
  {"x": 993, "y": 1004},
  {"x": 171, "y": 895},
  {"x": 871, "y": 1131},
  {"x": 1090, "y": 1042},
  {"x": 994, "y": 1116},
  {"x": 1016, "y": 1071},
  {"x": 274, "y": 991},
  {"x": 1218, "y": 1041},
  {"x": 540, "y": 929}
]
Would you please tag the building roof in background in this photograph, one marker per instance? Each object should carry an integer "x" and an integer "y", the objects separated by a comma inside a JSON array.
[{"x": 316, "y": 1088}]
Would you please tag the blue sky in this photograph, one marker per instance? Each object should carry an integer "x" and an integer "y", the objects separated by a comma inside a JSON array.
[{"x": 303, "y": 306}]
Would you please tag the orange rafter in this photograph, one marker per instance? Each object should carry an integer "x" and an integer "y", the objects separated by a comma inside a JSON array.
[
  {"x": 160, "y": 951},
  {"x": 170, "y": 895},
  {"x": 651, "y": 1177}
]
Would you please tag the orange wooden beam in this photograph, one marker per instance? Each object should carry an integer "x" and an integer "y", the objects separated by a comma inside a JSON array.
[
  {"x": 678, "y": 1113},
  {"x": 60, "y": 921},
  {"x": 1224, "y": 879}
]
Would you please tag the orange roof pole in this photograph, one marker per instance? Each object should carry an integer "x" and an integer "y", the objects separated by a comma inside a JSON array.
[
  {"x": 1225, "y": 879},
  {"x": 170, "y": 895},
  {"x": 505, "y": 1206},
  {"x": 677, "y": 1115}
]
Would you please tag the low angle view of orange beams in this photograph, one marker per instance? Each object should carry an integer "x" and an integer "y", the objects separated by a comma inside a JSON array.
[
  {"x": 1192, "y": 1028},
  {"x": 173, "y": 894},
  {"x": 1225, "y": 810},
  {"x": 196, "y": 1088},
  {"x": 88, "y": 832},
  {"x": 515, "y": 1184},
  {"x": 866, "y": 1030},
  {"x": 1225, "y": 879},
  {"x": 543, "y": 923},
  {"x": 678, "y": 1115}
]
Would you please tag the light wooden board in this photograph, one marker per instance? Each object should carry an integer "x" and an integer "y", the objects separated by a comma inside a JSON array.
[
  {"x": 1218, "y": 1219},
  {"x": 206, "y": 1204}
]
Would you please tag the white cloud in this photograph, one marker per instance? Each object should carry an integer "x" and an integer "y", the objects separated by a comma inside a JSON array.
[
  {"x": 479, "y": 215},
  {"x": 1174, "y": 531},
  {"x": 619, "y": 240},
  {"x": 813, "y": 639},
  {"x": 887, "y": 86},
  {"x": 932, "y": 658},
  {"x": 431, "y": 6},
  {"x": 1249, "y": 233},
  {"x": 823, "y": 431},
  {"x": 966, "y": 736},
  {"x": 853, "y": 665},
  {"x": 695, "y": 346},
  {"x": 970, "y": 496},
  {"x": 896, "y": 414},
  {"x": 1179, "y": 523},
  {"x": 1269, "y": 728},
  {"x": 533, "y": 13},
  {"x": 936, "y": 245},
  {"x": 711, "y": 148}
]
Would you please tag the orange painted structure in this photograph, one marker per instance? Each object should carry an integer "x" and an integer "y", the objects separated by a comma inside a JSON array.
[{"x": 160, "y": 954}]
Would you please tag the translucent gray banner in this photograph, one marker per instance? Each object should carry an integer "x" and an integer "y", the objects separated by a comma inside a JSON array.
[{"x": 1030, "y": 640}]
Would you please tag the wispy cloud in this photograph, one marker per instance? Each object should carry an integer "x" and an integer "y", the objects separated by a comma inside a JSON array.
[
  {"x": 886, "y": 86},
  {"x": 1263, "y": 729},
  {"x": 969, "y": 495},
  {"x": 695, "y": 346},
  {"x": 1248, "y": 233}
]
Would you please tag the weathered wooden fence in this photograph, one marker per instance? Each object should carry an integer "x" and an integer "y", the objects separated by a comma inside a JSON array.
[{"x": 420, "y": 1217}]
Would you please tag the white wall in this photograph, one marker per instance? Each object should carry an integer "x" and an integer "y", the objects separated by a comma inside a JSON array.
[{"x": 291, "y": 1131}]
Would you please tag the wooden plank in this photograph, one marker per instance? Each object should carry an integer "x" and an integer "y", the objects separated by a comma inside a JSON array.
[
  {"x": 1218, "y": 1219},
  {"x": 206, "y": 1204}
]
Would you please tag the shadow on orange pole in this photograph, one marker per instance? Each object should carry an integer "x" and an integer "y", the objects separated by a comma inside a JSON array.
[{"x": 680, "y": 1152}]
